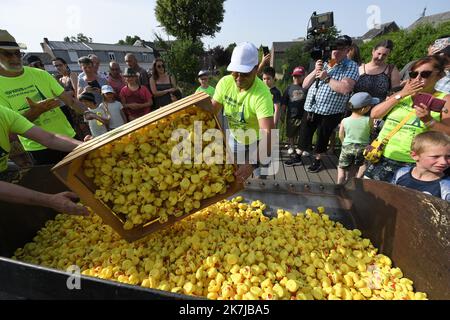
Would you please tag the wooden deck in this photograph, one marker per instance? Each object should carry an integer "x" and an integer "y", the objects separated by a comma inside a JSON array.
[{"x": 300, "y": 173}]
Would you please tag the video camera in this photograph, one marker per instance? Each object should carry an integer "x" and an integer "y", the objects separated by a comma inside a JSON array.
[{"x": 320, "y": 35}]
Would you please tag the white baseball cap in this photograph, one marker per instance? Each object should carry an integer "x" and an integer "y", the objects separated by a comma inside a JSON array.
[
  {"x": 244, "y": 58},
  {"x": 107, "y": 89}
]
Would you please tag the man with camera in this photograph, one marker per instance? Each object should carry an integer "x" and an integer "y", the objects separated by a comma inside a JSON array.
[{"x": 330, "y": 85}]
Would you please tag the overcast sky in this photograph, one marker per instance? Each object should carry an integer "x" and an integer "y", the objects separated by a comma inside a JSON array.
[{"x": 258, "y": 21}]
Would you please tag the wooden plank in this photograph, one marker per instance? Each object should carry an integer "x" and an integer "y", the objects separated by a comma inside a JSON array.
[
  {"x": 301, "y": 172},
  {"x": 290, "y": 173},
  {"x": 330, "y": 167},
  {"x": 280, "y": 174}
]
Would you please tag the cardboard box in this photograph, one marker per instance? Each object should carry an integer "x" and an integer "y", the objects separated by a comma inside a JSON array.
[{"x": 70, "y": 170}]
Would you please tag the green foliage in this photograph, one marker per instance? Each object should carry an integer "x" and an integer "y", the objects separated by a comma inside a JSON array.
[
  {"x": 78, "y": 38},
  {"x": 295, "y": 56},
  {"x": 220, "y": 55},
  {"x": 190, "y": 19},
  {"x": 409, "y": 45},
  {"x": 129, "y": 40},
  {"x": 182, "y": 60}
]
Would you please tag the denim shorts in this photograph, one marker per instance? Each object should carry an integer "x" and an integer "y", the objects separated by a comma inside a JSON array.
[{"x": 385, "y": 169}]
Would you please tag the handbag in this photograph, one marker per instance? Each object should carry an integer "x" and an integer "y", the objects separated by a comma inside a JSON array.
[{"x": 374, "y": 151}]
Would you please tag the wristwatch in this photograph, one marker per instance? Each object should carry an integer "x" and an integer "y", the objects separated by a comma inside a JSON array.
[
  {"x": 327, "y": 79},
  {"x": 398, "y": 97}
]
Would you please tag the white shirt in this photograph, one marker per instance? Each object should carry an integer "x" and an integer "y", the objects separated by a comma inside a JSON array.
[{"x": 114, "y": 110}]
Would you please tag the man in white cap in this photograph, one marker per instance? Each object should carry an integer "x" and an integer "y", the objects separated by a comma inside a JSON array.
[
  {"x": 31, "y": 92},
  {"x": 248, "y": 107}
]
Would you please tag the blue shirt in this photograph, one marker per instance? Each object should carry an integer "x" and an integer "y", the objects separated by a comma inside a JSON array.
[
  {"x": 439, "y": 188},
  {"x": 328, "y": 101}
]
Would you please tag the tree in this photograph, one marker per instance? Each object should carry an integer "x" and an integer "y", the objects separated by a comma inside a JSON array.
[
  {"x": 190, "y": 19},
  {"x": 409, "y": 45},
  {"x": 182, "y": 60},
  {"x": 221, "y": 56},
  {"x": 297, "y": 55},
  {"x": 79, "y": 38},
  {"x": 129, "y": 40}
]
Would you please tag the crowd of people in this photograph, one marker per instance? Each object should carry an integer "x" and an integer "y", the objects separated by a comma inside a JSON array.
[{"x": 345, "y": 96}]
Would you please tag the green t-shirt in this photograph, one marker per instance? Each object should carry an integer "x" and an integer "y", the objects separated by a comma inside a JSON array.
[
  {"x": 210, "y": 90},
  {"x": 244, "y": 109},
  {"x": 10, "y": 122},
  {"x": 37, "y": 85},
  {"x": 399, "y": 146}
]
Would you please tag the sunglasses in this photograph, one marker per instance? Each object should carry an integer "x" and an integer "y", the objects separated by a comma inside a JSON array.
[
  {"x": 423, "y": 74},
  {"x": 10, "y": 54},
  {"x": 58, "y": 65},
  {"x": 160, "y": 66},
  {"x": 241, "y": 74}
]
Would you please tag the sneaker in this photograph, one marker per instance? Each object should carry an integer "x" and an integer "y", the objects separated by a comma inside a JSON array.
[
  {"x": 290, "y": 151},
  {"x": 298, "y": 151},
  {"x": 315, "y": 167},
  {"x": 306, "y": 154},
  {"x": 294, "y": 161}
]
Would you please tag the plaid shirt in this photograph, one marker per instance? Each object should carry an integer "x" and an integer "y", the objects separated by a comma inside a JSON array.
[
  {"x": 327, "y": 101},
  {"x": 443, "y": 85}
]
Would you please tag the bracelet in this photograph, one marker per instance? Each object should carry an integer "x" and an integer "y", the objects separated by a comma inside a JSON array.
[
  {"x": 327, "y": 79},
  {"x": 430, "y": 123}
]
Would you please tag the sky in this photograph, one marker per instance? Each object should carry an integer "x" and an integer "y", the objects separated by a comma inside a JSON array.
[{"x": 257, "y": 21}]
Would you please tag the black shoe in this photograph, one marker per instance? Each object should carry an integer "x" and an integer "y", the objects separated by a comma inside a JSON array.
[
  {"x": 294, "y": 161},
  {"x": 315, "y": 167}
]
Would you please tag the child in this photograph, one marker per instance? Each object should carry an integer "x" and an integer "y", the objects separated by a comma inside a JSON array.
[
  {"x": 97, "y": 117},
  {"x": 115, "y": 108},
  {"x": 203, "y": 79},
  {"x": 136, "y": 99},
  {"x": 293, "y": 102},
  {"x": 431, "y": 151},
  {"x": 354, "y": 133},
  {"x": 269, "y": 80}
]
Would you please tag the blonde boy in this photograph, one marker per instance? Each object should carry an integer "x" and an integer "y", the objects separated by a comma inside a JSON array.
[{"x": 431, "y": 151}]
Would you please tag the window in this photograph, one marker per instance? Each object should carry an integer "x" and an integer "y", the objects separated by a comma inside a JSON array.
[
  {"x": 73, "y": 56},
  {"x": 145, "y": 57},
  {"x": 112, "y": 56}
]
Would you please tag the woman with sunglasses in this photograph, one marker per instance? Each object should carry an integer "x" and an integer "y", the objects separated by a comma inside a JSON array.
[
  {"x": 396, "y": 154},
  {"x": 163, "y": 86}
]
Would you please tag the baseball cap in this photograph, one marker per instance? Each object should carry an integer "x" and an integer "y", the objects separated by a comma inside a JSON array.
[
  {"x": 87, "y": 96},
  {"x": 107, "y": 89},
  {"x": 362, "y": 99},
  {"x": 298, "y": 71},
  {"x": 342, "y": 41},
  {"x": 203, "y": 73},
  {"x": 244, "y": 58},
  {"x": 7, "y": 42},
  {"x": 441, "y": 46}
]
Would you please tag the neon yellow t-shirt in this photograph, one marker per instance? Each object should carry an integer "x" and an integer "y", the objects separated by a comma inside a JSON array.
[
  {"x": 10, "y": 122},
  {"x": 399, "y": 146},
  {"x": 210, "y": 90},
  {"x": 37, "y": 85},
  {"x": 244, "y": 109}
]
